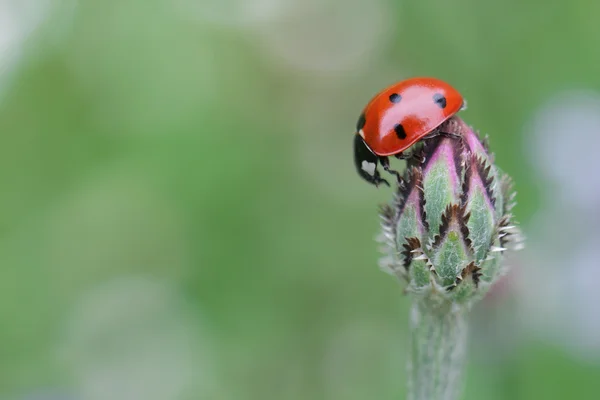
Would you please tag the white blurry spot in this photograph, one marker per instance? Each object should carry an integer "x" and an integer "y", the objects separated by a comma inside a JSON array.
[
  {"x": 326, "y": 35},
  {"x": 559, "y": 287},
  {"x": 368, "y": 167},
  {"x": 231, "y": 13},
  {"x": 134, "y": 339},
  {"x": 582, "y": 297},
  {"x": 18, "y": 20},
  {"x": 361, "y": 133},
  {"x": 564, "y": 144}
]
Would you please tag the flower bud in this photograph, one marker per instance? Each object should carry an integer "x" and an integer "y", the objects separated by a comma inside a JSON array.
[{"x": 450, "y": 221}]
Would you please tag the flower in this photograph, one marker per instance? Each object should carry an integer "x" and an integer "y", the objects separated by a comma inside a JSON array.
[{"x": 450, "y": 222}]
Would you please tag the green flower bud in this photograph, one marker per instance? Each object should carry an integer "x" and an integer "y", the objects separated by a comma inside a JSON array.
[
  {"x": 450, "y": 222},
  {"x": 444, "y": 234}
]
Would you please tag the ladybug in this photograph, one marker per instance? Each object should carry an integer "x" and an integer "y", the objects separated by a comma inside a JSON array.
[{"x": 398, "y": 117}]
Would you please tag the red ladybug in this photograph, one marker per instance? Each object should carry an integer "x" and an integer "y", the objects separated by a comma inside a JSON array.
[{"x": 398, "y": 117}]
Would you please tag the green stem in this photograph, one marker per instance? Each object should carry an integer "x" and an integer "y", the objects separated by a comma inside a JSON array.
[{"x": 438, "y": 340}]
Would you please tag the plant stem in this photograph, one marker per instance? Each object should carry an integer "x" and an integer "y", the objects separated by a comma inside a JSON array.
[{"x": 438, "y": 338}]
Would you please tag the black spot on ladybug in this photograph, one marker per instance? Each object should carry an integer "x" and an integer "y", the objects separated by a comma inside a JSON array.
[
  {"x": 400, "y": 132},
  {"x": 361, "y": 122},
  {"x": 440, "y": 100},
  {"x": 395, "y": 98}
]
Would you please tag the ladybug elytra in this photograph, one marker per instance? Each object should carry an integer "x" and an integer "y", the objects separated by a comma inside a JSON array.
[{"x": 398, "y": 117}]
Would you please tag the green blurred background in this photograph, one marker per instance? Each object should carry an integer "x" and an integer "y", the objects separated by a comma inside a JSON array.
[{"x": 180, "y": 217}]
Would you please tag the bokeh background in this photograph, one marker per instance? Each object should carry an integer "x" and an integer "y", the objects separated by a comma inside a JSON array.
[{"x": 180, "y": 217}]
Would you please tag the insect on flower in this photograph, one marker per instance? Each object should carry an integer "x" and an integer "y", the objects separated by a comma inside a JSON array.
[{"x": 397, "y": 118}]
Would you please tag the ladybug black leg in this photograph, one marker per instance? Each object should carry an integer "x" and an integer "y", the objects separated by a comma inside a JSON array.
[
  {"x": 413, "y": 155},
  {"x": 385, "y": 163},
  {"x": 402, "y": 156},
  {"x": 366, "y": 163}
]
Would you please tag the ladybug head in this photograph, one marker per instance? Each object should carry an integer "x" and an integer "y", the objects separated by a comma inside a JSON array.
[{"x": 366, "y": 161}]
